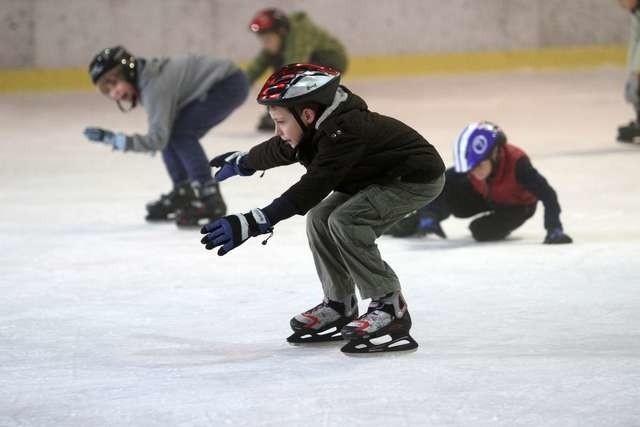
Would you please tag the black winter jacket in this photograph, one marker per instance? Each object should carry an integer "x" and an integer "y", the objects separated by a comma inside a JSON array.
[{"x": 349, "y": 149}]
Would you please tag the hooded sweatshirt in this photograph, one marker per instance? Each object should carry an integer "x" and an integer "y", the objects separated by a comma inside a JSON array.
[{"x": 166, "y": 85}]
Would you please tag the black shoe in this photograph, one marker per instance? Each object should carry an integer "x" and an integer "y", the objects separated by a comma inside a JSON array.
[
  {"x": 206, "y": 205},
  {"x": 266, "y": 124},
  {"x": 165, "y": 207},
  {"x": 629, "y": 132},
  {"x": 406, "y": 227}
]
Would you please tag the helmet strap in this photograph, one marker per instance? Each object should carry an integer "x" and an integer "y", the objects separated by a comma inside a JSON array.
[
  {"x": 307, "y": 129},
  {"x": 297, "y": 114},
  {"x": 132, "y": 105}
]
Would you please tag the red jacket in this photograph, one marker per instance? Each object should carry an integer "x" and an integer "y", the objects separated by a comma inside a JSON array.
[{"x": 502, "y": 186}]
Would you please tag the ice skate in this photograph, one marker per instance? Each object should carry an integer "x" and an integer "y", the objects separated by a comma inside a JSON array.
[
  {"x": 206, "y": 205},
  {"x": 417, "y": 224},
  {"x": 384, "y": 328},
  {"x": 164, "y": 209},
  {"x": 429, "y": 224},
  {"x": 629, "y": 133},
  {"x": 323, "y": 322},
  {"x": 406, "y": 227}
]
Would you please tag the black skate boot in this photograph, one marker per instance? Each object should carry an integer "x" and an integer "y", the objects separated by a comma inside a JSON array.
[
  {"x": 406, "y": 227},
  {"x": 207, "y": 204},
  {"x": 385, "y": 327},
  {"x": 266, "y": 124},
  {"x": 165, "y": 207},
  {"x": 417, "y": 224},
  {"x": 629, "y": 132},
  {"x": 323, "y": 322}
]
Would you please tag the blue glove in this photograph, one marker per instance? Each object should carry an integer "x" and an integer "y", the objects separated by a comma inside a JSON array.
[
  {"x": 231, "y": 231},
  {"x": 556, "y": 236},
  {"x": 430, "y": 225},
  {"x": 231, "y": 164},
  {"x": 117, "y": 140}
]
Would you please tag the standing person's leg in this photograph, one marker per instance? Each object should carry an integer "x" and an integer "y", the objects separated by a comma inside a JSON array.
[
  {"x": 198, "y": 117},
  {"x": 339, "y": 306},
  {"x": 174, "y": 166},
  {"x": 337, "y": 283},
  {"x": 498, "y": 224},
  {"x": 631, "y": 131},
  {"x": 355, "y": 225},
  {"x": 192, "y": 123},
  {"x": 164, "y": 208}
]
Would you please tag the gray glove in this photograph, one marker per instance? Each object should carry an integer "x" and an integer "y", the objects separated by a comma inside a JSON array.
[{"x": 119, "y": 141}]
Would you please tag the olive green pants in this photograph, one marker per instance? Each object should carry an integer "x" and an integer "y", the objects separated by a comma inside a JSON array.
[{"x": 342, "y": 231}]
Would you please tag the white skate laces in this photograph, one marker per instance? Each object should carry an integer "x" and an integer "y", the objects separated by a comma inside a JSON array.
[
  {"x": 385, "y": 327},
  {"x": 381, "y": 312},
  {"x": 371, "y": 322},
  {"x": 326, "y": 312},
  {"x": 324, "y": 322},
  {"x": 318, "y": 316}
]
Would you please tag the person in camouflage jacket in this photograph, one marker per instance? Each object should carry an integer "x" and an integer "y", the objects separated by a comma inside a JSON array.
[{"x": 289, "y": 40}]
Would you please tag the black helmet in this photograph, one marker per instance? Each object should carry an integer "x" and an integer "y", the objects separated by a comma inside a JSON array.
[
  {"x": 297, "y": 84},
  {"x": 110, "y": 58}
]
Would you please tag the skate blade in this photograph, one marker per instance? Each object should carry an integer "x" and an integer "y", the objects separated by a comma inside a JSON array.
[
  {"x": 368, "y": 347},
  {"x": 315, "y": 344},
  {"x": 628, "y": 139},
  {"x": 306, "y": 338}
]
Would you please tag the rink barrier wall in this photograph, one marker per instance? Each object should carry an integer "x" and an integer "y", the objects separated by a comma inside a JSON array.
[{"x": 62, "y": 79}]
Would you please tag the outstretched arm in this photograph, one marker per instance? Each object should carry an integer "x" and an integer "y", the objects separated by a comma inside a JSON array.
[
  {"x": 534, "y": 182},
  {"x": 271, "y": 153}
]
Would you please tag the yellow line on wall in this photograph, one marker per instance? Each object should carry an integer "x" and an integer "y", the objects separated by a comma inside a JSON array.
[
  {"x": 53, "y": 79},
  {"x": 375, "y": 66},
  {"x": 473, "y": 62}
]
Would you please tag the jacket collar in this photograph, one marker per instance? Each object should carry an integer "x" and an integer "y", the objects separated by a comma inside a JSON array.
[{"x": 340, "y": 97}]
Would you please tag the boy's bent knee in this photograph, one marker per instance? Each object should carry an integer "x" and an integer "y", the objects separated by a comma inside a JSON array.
[
  {"x": 336, "y": 223},
  {"x": 316, "y": 220}
]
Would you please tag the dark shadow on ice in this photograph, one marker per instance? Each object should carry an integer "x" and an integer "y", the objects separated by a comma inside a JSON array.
[{"x": 429, "y": 244}]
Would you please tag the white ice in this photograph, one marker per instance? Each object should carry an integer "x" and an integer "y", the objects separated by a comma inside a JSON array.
[{"x": 108, "y": 321}]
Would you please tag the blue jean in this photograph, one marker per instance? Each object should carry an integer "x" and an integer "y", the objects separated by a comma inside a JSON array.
[{"x": 184, "y": 156}]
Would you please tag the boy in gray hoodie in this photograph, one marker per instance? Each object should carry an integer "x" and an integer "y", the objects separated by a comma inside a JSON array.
[{"x": 184, "y": 97}]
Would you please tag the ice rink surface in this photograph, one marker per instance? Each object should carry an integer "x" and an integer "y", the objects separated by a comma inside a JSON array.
[{"x": 108, "y": 321}]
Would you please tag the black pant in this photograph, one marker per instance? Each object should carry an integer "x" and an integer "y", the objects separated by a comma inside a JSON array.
[{"x": 461, "y": 200}]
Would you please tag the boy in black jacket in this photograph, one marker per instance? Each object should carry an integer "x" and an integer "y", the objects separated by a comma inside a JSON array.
[{"x": 374, "y": 170}]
